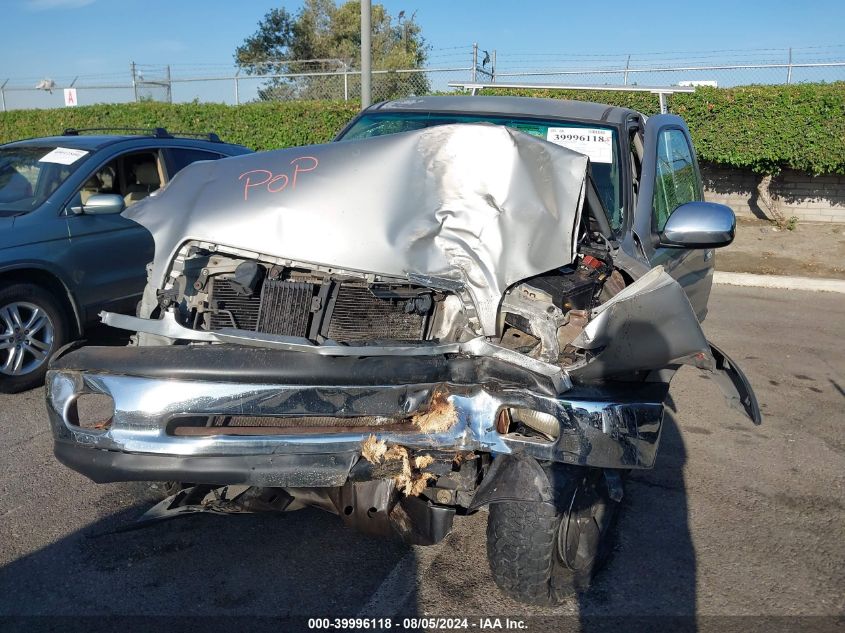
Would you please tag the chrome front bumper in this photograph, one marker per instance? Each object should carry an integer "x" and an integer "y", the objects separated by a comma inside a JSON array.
[{"x": 607, "y": 430}]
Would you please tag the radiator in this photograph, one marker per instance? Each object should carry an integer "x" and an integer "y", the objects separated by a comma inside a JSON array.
[
  {"x": 360, "y": 316},
  {"x": 286, "y": 308},
  {"x": 231, "y": 310}
]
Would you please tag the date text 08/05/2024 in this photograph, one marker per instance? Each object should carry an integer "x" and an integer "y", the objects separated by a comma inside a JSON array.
[{"x": 416, "y": 623}]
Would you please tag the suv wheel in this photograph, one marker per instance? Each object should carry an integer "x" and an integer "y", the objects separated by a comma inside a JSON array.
[
  {"x": 539, "y": 554},
  {"x": 32, "y": 327}
]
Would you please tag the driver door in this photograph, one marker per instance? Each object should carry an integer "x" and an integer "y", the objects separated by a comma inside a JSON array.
[{"x": 671, "y": 178}]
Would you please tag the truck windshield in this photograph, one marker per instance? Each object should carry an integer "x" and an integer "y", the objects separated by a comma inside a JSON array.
[
  {"x": 600, "y": 143},
  {"x": 29, "y": 174}
]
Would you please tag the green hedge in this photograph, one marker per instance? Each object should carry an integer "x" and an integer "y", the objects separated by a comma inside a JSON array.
[
  {"x": 260, "y": 126},
  {"x": 762, "y": 128}
]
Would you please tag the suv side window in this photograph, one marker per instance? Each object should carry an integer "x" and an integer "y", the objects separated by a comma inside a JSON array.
[
  {"x": 676, "y": 178},
  {"x": 180, "y": 158},
  {"x": 133, "y": 176}
]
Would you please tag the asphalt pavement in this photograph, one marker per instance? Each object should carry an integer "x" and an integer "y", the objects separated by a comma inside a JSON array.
[{"x": 734, "y": 520}]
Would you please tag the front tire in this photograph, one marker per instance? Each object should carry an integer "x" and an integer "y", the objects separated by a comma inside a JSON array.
[
  {"x": 540, "y": 554},
  {"x": 33, "y": 325}
]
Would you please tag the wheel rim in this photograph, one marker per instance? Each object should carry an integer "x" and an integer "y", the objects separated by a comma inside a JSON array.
[{"x": 26, "y": 338}]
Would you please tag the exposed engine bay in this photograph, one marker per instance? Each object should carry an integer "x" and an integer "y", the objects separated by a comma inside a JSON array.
[{"x": 539, "y": 317}]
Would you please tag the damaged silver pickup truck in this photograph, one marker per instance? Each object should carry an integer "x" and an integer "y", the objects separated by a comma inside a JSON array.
[{"x": 466, "y": 302}]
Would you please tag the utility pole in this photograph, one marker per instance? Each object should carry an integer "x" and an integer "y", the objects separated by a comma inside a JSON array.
[
  {"x": 134, "y": 82},
  {"x": 366, "y": 55}
]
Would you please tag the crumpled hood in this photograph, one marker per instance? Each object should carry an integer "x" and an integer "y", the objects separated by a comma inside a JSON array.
[{"x": 481, "y": 205}]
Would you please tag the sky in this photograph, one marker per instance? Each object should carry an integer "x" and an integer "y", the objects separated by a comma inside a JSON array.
[{"x": 64, "y": 38}]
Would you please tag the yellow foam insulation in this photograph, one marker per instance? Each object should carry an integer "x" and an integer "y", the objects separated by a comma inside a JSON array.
[
  {"x": 373, "y": 449},
  {"x": 440, "y": 415},
  {"x": 411, "y": 481},
  {"x": 422, "y": 461},
  {"x": 463, "y": 457}
]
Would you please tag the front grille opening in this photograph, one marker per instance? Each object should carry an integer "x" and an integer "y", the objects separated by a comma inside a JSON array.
[
  {"x": 204, "y": 426},
  {"x": 344, "y": 311},
  {"x": 91, "y": 411}
]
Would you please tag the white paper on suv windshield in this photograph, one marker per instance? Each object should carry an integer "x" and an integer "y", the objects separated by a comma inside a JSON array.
[
  {"x": 594, "y": 142},
  {"x": 63, "y": 156}
]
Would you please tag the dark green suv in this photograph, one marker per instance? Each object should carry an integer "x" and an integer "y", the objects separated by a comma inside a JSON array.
[{"x": 66, "y": 252}]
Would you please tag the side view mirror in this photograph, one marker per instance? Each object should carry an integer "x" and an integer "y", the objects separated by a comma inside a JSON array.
[
  {"x": 104, "y": 204},
  {"x": 699, "y": 225}
]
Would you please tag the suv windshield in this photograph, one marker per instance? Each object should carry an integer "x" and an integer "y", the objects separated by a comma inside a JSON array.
[
  {"x": 600, "y": 143},
  {"x": 29, "y": 174}
]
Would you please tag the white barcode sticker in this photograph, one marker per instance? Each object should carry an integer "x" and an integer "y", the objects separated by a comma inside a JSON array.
[
  {"x": 594, "y": 142},
  {"x": 63, "y": 156}
]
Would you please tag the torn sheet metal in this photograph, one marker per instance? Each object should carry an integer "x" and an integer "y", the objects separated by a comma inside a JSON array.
[
  {"x": 482, "y": 205},
  {"x": 648, "y": 325},
  {"x": 735, "y": 385}
]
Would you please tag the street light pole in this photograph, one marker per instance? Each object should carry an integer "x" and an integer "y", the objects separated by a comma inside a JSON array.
[{"x": 366, "y": 54}]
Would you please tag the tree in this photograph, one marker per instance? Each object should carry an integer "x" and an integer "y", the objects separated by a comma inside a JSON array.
[{"x": 325, "y": 37}]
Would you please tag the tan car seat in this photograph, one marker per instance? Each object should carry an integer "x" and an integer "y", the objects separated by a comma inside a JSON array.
[
  {"x": 101, "y": 182},
  {"x": 146, "y": 175},
  {"x": 92, "y": 186}
]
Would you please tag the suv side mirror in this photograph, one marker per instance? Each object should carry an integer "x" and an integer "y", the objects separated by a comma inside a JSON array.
[
  {"x": 699, "y": 225},
  {"x": 104, "y": 204}
]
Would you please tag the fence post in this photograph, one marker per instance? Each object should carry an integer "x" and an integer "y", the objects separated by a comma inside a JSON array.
[
  {"x": 237, "y": 88},
  {"x": 345, "y": 84},
  {"x": 366, "y": 54},
  {"x": 3, "y": 94},
  {"x": 789, "y": 68},
  {"x": 169, "y": 86},
  {"x": 493, "y": 68},
  {"x": 625, "y": 76},
  {"x": 474, "y": 59},
  {"x": 134, "y": 83}
]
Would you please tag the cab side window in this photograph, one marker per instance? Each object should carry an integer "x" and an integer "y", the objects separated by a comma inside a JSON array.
[{"x": 676, "y": 179}]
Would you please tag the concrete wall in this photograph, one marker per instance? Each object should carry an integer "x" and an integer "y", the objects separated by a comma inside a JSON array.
[{"x": 809, "y": 198}]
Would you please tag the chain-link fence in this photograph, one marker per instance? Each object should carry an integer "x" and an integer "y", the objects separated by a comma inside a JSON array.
[{"x": 338, "y": 79}]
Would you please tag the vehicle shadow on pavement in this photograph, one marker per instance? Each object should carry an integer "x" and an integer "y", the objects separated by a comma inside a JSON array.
[
  {"x": 652, "y": 571},
  {"x": 299, "y": 564}
]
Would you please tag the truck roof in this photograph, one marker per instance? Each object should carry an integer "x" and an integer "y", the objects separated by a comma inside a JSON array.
[{"x": 526, "y": 106}]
